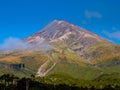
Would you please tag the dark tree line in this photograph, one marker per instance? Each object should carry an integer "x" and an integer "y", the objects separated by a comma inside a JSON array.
[{"x": 11, "y": 82}]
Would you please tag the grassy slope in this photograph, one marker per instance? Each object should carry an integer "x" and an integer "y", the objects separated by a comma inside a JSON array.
[
  {"x": 32, "y": 61},
  {"x": 104, "y": 57},
  {"x": 68, "y": 62}
]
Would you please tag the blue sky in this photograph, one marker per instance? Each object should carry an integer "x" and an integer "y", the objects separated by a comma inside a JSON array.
[{"x": 21, "y": 18}]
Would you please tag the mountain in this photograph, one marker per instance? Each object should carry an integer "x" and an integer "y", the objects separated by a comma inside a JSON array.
[
  {"x": 65, "y": 49},
  {"x": 57, "y": 31},
  {"x": 74, "y": 37}
]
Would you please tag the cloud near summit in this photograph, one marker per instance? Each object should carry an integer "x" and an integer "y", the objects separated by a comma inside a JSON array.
[
  {"x": 92, "y": 14},
  {"x": 115, "y": 35},
  {"x": 12, "y": 43}
]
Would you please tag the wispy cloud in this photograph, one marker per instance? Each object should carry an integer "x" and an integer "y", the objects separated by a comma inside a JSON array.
[
  {"x": 115, "y": 29},
  {"x": 14, "y": 43},
  {"x": 92, "y": 14},
  {"x": 17, "y": 44},
  {"x": 115, "y": 34},
  {"x": 84, "y": 22}
]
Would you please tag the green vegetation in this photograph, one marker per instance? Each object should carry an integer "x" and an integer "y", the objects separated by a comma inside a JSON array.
[
  {"x": 72, "y": 71},
  {"x": 67, "y": 62},
  {"x": 31, "y": 60},
  {"x": 57, "y": 82}
]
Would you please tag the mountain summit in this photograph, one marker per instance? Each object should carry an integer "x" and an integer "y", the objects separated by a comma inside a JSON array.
[
  {"x": 74, "y": 36},
  {"x": 62, "y": 30}
]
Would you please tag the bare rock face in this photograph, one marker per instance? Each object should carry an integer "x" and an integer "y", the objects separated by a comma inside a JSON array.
[{"x": 75, "y": 37}]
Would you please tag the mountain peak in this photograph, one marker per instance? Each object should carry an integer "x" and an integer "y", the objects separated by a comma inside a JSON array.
[
  {"x": 60, "y": 22},
  {"x": 61, "y": 30}
]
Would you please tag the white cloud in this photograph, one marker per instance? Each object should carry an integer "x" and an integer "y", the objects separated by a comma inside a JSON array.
[
  {"x": 92, "y": 14},
  {"x": 115, "y": 29},
  {"x": 14, "y": 43},
  {"x": 115, "y": 35},
  {"x": 17, "y": 44}
]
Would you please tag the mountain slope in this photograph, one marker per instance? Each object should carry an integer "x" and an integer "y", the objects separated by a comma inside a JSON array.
[{"x": 64, "y": 48}]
